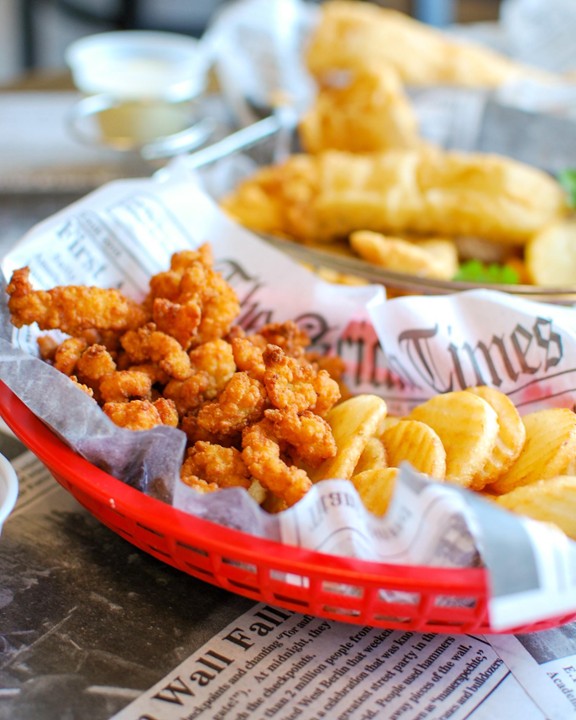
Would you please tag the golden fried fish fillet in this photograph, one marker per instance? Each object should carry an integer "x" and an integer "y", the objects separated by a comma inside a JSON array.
[
  {"x": 366, "y": 110},
  {"x": 350, "y": 33},
  {"x": 426, "y": 191}
]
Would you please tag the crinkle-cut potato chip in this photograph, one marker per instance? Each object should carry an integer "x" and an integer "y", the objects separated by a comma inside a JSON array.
[
  {"x": 549, "y": 449},
  {"x": 353, "y": 423},
  {"x": 551, "y": 500},
  {"x": 336, "y": 277},
  {"x": 511, "y": 435},
  {"x": 373, "y": 456},
  {"x": 401, "y": 255},
  {"x": 551, "y": 255},
  {"x": 468, "y": 428},
  {"x": 376, "y": 488},
  {"x": 417, "y": 443}
]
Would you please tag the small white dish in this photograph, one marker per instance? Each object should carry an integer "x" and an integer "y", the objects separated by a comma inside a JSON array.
[{"x": 8, "y": 489}]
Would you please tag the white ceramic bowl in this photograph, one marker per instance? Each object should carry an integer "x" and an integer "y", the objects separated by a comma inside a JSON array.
[
  {"x": 8, "y": 489},
  {"x": 138, "y": 64}
]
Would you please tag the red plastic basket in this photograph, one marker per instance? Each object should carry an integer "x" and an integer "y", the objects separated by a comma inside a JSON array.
[{"x": 338, "y": 588}]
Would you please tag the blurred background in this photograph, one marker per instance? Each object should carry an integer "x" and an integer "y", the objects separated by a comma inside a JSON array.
[{"x": 34, "y": 33}]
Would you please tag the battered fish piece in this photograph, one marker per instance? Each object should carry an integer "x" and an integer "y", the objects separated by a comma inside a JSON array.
[
  {"x": 72, "y": 308},
  {"x": 350, "y": 34},
  {"x": 428, "y": 192},
  {"x": 365, "y": 110}
]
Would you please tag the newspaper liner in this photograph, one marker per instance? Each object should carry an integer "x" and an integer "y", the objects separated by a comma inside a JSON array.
[{"x": 122, "y": 233}]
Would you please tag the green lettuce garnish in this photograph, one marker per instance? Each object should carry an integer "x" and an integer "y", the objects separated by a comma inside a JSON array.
[
  {"x": 475, "y": 271},
  {"x": 567, "y": 179}
]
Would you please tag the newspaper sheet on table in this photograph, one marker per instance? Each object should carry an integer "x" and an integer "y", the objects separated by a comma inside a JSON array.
[
  {"x": 272, "y": 663},
  {"x": 405, "y": 350}
]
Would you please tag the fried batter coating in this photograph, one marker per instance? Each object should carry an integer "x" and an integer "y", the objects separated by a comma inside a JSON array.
[
  {"x": 288, "y": 381},
  {"x": 308, "y": 433},
  {"x": 192, "y": 301},
  {"x": 155, "y": 373},
  {"x": 149, "y": 344},
  {"x": 194, "y": 433},
  {"x": 262, "y": 454},
  {"x": 94, "y": 364},
  {"x": 125, "y": 385},
  {"x": 166, "y": 284},
  {"x": 47, "y": 346},
  {"x": 188, "y": 394},
  {"x": 213, "y": 366},
  {"x": 68, "y": 353},
  {"x": 181, "y": 321},
  {"x": 328, "y": 392},
  {"x": 70, "y": 309},
  {"x": 287, "y": 335},
  {"x": 334, "y": 365},
  {"x": 242, "y": 401},
  {"x": 167, "y": 411},
  {"x": 427, "y": 192},
  {"x": 201, "y": 486},
  {"x": 216, "y": 359},
  {"x": 216, "y": 464},
  {"x": 84, "y": 388},
  {"x": 363, "y": 110},
  {"x": 248, "y": 357},
  {"x": 219, "y": 302},
  {"x": 133, "y": 415},
  {"x": 349, "y": 34}
]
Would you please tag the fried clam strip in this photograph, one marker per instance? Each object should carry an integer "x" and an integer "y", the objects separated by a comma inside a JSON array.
[
  {"x": 309, "y": 434},
  {"x": 147, "y": 344},
  {"x": 212, "y": 367},
  {"x": 208, "y": 467},
  {"x": 292, "y": 433},
  {"x": 242, "y": 402},
  {"x": 262, "y": 453},
  {"x": 66, "y": 355},
  {"x": 297, "y": 383},
  {"x": 141, "y": 414},
  {"x": 93, "y": 365},
  {"x": 191, "y": 301},
  {"x": 72, "y": 308}
]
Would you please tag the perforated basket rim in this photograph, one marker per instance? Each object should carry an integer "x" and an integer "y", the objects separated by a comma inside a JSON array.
[{"x": 109, "y": 498}]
